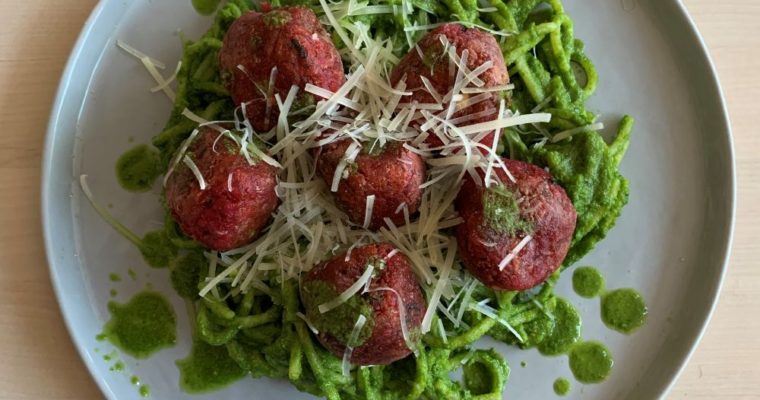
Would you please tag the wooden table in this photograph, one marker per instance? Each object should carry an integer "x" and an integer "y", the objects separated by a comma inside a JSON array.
[{"x": 37, "y": 357}]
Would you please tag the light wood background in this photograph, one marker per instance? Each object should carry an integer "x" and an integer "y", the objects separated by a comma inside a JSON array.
[{"x": 37, "y": 358}]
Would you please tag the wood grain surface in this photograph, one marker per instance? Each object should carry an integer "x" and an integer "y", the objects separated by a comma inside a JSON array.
[{"x": 37, "y": 358}]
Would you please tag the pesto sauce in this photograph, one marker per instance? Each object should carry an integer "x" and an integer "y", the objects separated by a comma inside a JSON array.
[
  {"x": 143, "y": 389},
  {"x": 206, "y": 7},
  {"x": 485, "y": 372},
  {"x": 561, "y": 387},
  {"x": 142, "y": 326},
  {"x": 276, "y": 18},
  {"x": 623, "y": 310},
  {"x": 157, "y": 249},
  {"x": 591, "y": 362},
  {"x": 588, "y": 282},
  {"x": 501, "y": 211},
  {"x": 207, "y": 368},
  {"x": 138, "y": 168},
  {"x": 186, "y": 273},
  {"x": 567, "y": 330},
  {"x": 586, "y": 169},
  {"x": 338, "y": 322},
  {"x": 117, "y": 366}
]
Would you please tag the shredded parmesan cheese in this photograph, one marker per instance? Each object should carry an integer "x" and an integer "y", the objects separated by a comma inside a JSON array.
[
  {"x": 570, "y": 132},
  {"x": 197, "y": 172},
  {"x": 346, "y": 365},
  {"x": 139, "y": 55},
  {"x": 514, "y": 252},
  {"x": 493, "y": 314},
  {"x": 348, "y": 293},
  {"x": 368, "y": 211}
]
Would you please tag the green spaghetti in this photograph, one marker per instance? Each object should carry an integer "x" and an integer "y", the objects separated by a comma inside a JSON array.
[{"x": 263, "y": 331}]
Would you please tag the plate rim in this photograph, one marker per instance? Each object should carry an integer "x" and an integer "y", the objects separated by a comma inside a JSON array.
[
  {"x": 47, "y": 157},
  {"x": 725, "y": 121},
  {"x": 52, "y": 131}
]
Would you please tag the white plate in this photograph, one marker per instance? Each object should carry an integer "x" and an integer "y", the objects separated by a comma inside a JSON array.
[{"x": 671, "y": 242}]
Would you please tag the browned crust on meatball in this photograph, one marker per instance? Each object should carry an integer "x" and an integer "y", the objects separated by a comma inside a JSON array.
[
  {"x": 434, "y": 65},
  {"x": 216, "y": 217},
  {"x": 394, "y": 176},
  {"x": 386, "y": 344},
  {"x": 542, "y": 203},
  {"x": 288, "y": 38}
]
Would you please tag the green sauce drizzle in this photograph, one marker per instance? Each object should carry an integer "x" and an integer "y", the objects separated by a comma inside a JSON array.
[
  {"x": 561, "y": 387},
  {"x": 138, "y": 168},
  {"x": 485, "y": 373},
  {"x": 114, "y": 292},
  {"x": 567, "y": 330},
  {"x": 591, "y": 362},
  {"x": 110, "y": 356},
  {"x": 132, "y": 274},
  {"x": 502, "y": 212},
  {"x": 144, "y": 390},
  {"x": 623, "y": 310},
  {"x": 588, "y": 282},
  {"x": 157, "y": 249},
  {"x": 186, "y": 273},
  {"x": 276, "y": 18},
  {"x": 118, "y": 366},
  {"x": 143, "y": 325},
  {"x": 206, "y": 7},
  {"x": 207, "y": 368},
  {"x": 338, "y": 322},
  {"x": 114, "y": 277}
]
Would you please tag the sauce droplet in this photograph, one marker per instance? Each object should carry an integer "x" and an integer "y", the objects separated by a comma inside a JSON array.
[
  {"x": 207, "y": 368},
  {"x": 623, "y": 310},
  {"x": 591, "y": 362},
  {"x": 206, "y": 7},
  {"x": 561, "y": 387},
  {"x": 138, "y": 168},
  {"x": 157, "y": 249},
  {"x": 567, "y": 330},
  {"x": 143, "y": 325},
  {"x": 588, "y": 282}
]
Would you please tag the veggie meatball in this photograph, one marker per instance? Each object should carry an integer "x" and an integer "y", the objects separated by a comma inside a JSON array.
[
  {"x": 434, "y": 65},
  {"x": 381, "y": 340},
  {"x": 514, "y": 234},
  {"x": 392, "y": 174},
  {"x": 286, "y": 46},
  {"x": 237, "y": 199}
]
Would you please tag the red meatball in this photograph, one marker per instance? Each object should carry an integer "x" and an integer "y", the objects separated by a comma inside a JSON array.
[
  {"x": 392, "y": 174},
  {"x": 237, "y": 202},
  {"x": 497, "y": 219},
  {"x": 290, "y": 39},
  {"x": 434, "y": 65},
  {"x": 381, "y": 341}
]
